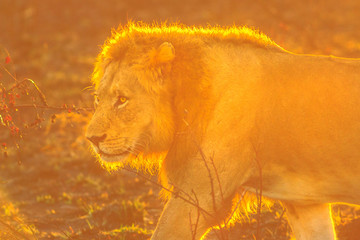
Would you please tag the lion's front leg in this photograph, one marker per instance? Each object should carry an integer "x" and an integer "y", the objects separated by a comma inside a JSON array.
[
  {"x": 180, "y": 221},
  {"x": 310, "y": 221}
]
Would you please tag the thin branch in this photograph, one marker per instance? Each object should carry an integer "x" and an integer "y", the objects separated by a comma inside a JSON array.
[
  {"x": 217, "y": 177},
  {"x": 41, "y": 94},
  {"x": 54, "y": 108},
  {"x": 193, "y": 231},
  {"x": 259, "y": 196},
  {"x": 169, "y": 190},
  {"x": 203, "y": 156},
  {"x": 236, "y": 207},
  {"x": 222, "y": 236},
  {"x": 7, "y": 71},
  {"x": 280, "y": 219},
  {"x": 13, "y": 230}
]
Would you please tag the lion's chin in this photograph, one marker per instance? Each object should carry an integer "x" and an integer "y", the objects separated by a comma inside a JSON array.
[{"x": 113, "y": 158}]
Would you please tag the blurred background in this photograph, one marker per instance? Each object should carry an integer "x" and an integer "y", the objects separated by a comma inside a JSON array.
[{"x": 50, "y": 185}]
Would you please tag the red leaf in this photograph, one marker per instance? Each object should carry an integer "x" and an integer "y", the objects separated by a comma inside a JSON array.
[
  {"x": 7, "y": 59},
  {"x": 7, "y": 118}
]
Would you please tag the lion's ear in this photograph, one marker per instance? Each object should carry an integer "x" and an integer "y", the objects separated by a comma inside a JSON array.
[
  {"x": 157, "y": 66},
  {"x": 165, "y": 53}
]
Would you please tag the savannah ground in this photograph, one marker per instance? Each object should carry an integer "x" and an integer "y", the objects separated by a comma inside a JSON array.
[{"x": 51, "y": 187}]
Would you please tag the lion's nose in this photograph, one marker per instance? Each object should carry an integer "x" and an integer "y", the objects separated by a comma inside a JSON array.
[{"x": 96, "y": 139}]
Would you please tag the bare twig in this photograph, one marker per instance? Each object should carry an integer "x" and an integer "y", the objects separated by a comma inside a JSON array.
[
  {"x": 191, "y": 202},
  {"x": 76, "y": 109},
  {"x": 7, "y": 71},
  {"x": 41, "y": 94},
  {"x": 177, "y": 192},
  {"x": 223, "y": 235},
  {"x": 280, "y": 219},
  {"x": 259, "y": 196},
  {"x": 203, "y": 157},
  {"x": 217, "y": 177},
  {"x": 193, "y": 231},
  {"x": 16, "y": 233},
  {"x": 236, "y": 207}
]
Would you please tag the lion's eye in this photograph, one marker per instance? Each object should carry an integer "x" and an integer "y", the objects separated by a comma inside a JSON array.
[{"x": 121, "y": 101}]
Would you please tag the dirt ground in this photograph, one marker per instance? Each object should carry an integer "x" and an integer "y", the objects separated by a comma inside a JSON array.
[{"x": 51, "y": 187}]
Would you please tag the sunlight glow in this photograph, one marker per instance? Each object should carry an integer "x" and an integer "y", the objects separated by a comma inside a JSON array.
[
  {"x": 115, "y": 47},
  {"x": 149, "y": 163}
]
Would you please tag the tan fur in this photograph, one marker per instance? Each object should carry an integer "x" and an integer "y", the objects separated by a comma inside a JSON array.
[{"x": 220, "y": 103}]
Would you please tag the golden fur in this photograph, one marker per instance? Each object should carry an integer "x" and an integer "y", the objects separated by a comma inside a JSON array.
[{"x": 221, "y": 110}]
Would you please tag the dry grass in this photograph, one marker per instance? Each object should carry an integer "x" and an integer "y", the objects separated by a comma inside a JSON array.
[{"x": 52, "y": 188}]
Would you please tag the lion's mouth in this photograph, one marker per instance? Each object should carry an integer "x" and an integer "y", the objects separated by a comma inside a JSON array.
[{"x": 110, "y": 155}]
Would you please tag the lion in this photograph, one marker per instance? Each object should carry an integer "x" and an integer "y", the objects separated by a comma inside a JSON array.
[{"x": 221, "y": 110}]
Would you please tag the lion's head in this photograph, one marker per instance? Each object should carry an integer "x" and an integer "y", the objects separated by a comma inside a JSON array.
[
  {"x": 133, "y": 112},
  {"x": 151, "y": 83}
]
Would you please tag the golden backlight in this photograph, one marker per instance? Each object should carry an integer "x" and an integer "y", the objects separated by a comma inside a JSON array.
[
  {"x": 197, "y": 108},
  {"x": 231, "y": 111}
]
